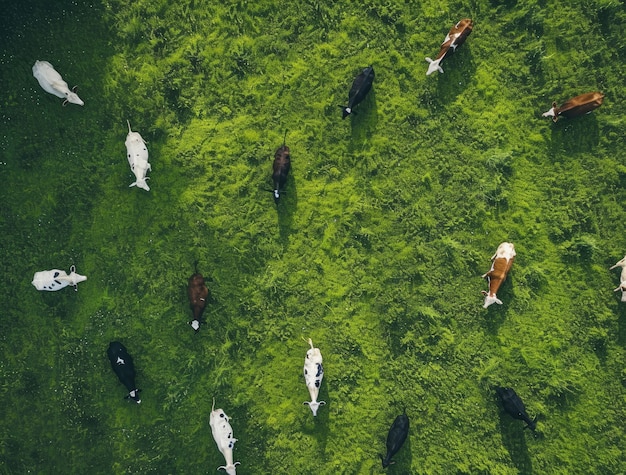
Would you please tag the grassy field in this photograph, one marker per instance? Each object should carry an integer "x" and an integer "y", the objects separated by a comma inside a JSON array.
[{"x": 375, "y": 252}]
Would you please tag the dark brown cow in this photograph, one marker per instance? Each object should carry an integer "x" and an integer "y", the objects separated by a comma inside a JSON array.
[
  {"x": 282, "y": 165},
  {"x": 576, "y": 106},
  {"x": 198, "y": 293},
  {"x": 455, "y": 37}
]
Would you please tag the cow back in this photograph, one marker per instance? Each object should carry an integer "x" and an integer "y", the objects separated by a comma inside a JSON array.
[
  {"x": 582, "y": 104},
  {"x": 361, "y": 86},
  {"x": 198, "y": 293},
  {"x": 281, "y": 166},
  {"x": 125, "y": 371}
]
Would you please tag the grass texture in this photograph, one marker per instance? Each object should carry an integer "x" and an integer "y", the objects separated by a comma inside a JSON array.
[{"x": 375, "y": 252}]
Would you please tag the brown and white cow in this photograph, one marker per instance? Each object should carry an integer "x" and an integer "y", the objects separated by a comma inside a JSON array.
[
  {"x": 455, "y": 37},
  {"x": 197, "y": 292},
  {"x": 622, "y": 285},
  {"x": 576, "y": 106},
  {"x": 501, "y": 263}
]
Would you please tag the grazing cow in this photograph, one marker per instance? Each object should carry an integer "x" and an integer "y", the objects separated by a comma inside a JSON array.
[
  {"x": 395, "y": 438},
  {"x": 514, "y": 406},
  {"x": 137, "y": 154},
  {"x": 122, "y": 364},
  {"x": 576, "y": 106},
  {"x": 282, "y": 165},
  {"x": 360, "y": 87},
  {"x": 501, "y": 263},
  {"x": 56, "y": 279},
  {"x": 223, "y": 436},
  {"x": 455, "y": 37},
  {"x": 198, "y": 293},
  {"x": 51, "y": 81},
  {"x": 313, "y": 375},
  {"x": 622, "y": 285}
]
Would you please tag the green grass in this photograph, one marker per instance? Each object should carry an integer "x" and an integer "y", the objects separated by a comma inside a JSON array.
[{"x": 375, "y": 252}]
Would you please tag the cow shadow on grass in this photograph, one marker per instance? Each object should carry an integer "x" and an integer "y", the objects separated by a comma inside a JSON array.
[
  {"x": 495, "y": 313},
  {"x": 514, "y": 439},
  {"x": 459, "y": 68},
  {"x": 318, "y": 426},
  {"x": 572, "y": 136},
  {"x": 286, "y": 208},
  {"x": 363, "y": 121},
  {"x": 621, "y": 325}
]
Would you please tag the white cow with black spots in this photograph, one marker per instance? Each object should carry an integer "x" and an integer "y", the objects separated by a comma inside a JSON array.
[
  {"x": 223, "y": 435},
  {"x": 56, "y": 279},
  {"x": 313, "y": 375}
]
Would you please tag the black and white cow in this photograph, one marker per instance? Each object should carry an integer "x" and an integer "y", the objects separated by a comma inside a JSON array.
[
  {"x": 360, "y": 87},
  {"x": 395, "y": 438},
  {"x": 313, "y": 375},
  {"x": 122, "y": 364},
  {"x": 223, "y": 435},
  {"x": 514, "y": 406}
]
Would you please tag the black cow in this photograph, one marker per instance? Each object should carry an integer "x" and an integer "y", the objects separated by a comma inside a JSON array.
[
  {"x": 395, "y": 438},
  {"x": 122, "y": 364},
  {"x": 282, "y": 165},
  {"x": 360, "y": 87},
  {"x": 198, "y": 293},
  {"x": 514, "y": 406}
]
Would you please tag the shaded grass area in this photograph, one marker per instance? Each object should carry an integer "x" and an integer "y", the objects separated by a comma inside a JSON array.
[{"x": 376, "y": 251}]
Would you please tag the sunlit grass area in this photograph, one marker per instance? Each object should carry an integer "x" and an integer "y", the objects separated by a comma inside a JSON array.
[{"x": 376, "y": 250}]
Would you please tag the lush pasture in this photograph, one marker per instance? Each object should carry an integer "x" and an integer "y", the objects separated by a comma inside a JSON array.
[{"x": 375, "y": 252}]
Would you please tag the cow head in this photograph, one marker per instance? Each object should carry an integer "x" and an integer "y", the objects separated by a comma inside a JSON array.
[
  {"x": 276, "y": 193},
  {"x": 229, "y": 469},
  {"x": 531, "y": 424},
  {"x": 134, "y": 395},
  {"x": 552, "y": 113},
  {"x": 75, "y": 278},
  {"x": 490, "y": 299},
  {"x": 433, "y": 66},
  {"x": 71, "y": 96},
  {"x": 314, "y": 405}
]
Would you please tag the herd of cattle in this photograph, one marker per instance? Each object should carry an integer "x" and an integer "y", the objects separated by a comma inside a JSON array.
[{"x": 198, "y": 293}]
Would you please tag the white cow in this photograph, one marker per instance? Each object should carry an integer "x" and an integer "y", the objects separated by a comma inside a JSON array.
[
  {"x": 313, "y": 375},
  {"x": 56, "y": 279},
  {"x": 137, "y": 154},
  {"x": 223, "y": 435},
  {"x": 51, "y": 81},
  {"x": 622, "y": 285}
]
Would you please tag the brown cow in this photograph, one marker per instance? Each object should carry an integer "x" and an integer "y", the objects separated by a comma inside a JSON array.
[
  {"x": 501, "y": 263},
  {"x": 576, "y": 106},
  {"x": 455, "y": 37},
  {"x": 282, "y": 164},
  {"x": 198, "y": 293}
]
